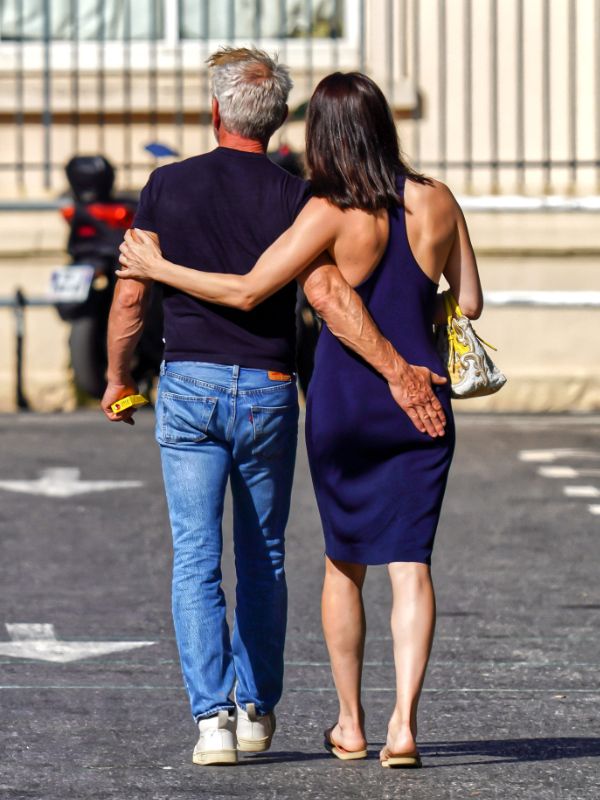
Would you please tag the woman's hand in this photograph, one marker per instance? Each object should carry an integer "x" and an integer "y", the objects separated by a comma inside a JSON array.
[{"x": 140, "y": 256}]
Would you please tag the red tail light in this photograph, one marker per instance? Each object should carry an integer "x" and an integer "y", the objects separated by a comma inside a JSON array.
[
  {"x": 115, "y": 216},
  {"x": 86, "y": 231}
]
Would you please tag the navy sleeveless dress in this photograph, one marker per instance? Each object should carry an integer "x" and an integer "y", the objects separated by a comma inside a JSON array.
[{"x": 379, "y": 482}]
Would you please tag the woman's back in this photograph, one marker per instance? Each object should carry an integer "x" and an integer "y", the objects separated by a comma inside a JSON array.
[{"x": 431, "y": 227}]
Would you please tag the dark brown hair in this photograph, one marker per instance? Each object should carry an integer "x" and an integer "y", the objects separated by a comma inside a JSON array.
[{"x": 352, "y": 149}]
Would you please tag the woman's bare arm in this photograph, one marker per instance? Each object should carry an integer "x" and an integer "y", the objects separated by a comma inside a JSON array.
[
  {"x": 440, "y": 242},
  {"x": 461, "y": 270},
  {"x": 313, "y": 232}
]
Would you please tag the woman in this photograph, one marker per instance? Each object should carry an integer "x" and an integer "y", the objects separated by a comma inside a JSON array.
[{"x": 379, "y": 481}]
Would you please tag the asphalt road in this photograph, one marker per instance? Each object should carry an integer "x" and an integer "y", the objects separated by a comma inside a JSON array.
[{"x": 511, "y": 701}]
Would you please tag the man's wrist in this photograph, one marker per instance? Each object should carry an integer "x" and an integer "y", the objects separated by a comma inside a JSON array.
[
  {"x": 119, "y": 380},
  {"x": 396, "y": 370}
]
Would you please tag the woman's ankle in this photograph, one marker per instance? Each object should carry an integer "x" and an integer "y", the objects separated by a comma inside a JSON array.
[
  {"x": 352, "y": 721},
  {"x": 401, "y": 735}
]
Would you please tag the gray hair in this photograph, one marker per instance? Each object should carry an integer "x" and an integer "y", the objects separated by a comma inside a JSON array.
[{"x": 252, "y": 90}]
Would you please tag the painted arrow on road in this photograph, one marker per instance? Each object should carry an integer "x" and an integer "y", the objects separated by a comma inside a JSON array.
[
  {"x": 64, "y": 482},
  {"x": 38, "y": 641}
]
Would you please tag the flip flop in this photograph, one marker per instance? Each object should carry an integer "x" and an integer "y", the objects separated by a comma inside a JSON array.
[
  {"x": 402, "y": 760},
  {"x": 340, "y": 752}
]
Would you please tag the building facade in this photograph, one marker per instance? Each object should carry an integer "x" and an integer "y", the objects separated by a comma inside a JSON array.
[{"x": 495, "y": 96}]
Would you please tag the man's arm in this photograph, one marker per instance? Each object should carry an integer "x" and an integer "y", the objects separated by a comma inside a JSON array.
[
  {"x": 348, "y": 319},
  {"x": 125, "y": 324}
]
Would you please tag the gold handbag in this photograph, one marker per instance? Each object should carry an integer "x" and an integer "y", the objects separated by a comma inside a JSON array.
[{"x": 472, "y": 372}]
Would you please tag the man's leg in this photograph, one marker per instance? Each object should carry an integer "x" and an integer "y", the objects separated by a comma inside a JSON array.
[
  {"x": 196, "y": 465},
  {"x": 261, "y": 479}
]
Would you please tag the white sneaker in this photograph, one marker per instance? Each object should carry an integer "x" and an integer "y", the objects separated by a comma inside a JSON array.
[
  {"x": 216, "y": 744},
  {"x": 254, "y": 733}
]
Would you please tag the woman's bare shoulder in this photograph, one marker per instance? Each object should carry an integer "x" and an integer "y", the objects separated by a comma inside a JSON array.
[
  {"x": 433, "y": 206},
  {"x": 317, "y": 216},
  {"x": 318, "y": 210},
  {"x": 322, "y": 206},
  {"x": 433, "y": 197}
]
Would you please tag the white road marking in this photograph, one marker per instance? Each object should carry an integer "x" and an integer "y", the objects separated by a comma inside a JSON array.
[
  {"x": 581, "y": 491},
  {"x": 543, "y": 298},
  {"x": 558, "y": 472},
  {"x": 64, "y": 482},
  {"x": 567, "y": 472},
  {"x": 38, "y": 641},
  {"x": 549, "y": 456},
  {"x": 594, "y": 510}
]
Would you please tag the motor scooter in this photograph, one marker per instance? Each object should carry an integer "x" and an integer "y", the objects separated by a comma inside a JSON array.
[{"x": 83, "y": 290}]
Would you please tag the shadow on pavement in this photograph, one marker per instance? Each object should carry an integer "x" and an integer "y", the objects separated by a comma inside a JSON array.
[
  {"x": 494, "y": 751},
  {"x": 282, "y": 757},
  {"x": 514, "y": 750}
]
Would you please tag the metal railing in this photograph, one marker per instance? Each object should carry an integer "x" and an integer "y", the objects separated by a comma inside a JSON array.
[{"x": 494, "y": 96}]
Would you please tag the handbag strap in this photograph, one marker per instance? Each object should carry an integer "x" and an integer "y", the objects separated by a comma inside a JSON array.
[
  {"x": 453, "y": 310},
  {"x": 451, "y": 306}
]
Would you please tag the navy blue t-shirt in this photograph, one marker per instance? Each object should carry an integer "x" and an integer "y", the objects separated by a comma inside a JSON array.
[{"x": 219, "y": 212}]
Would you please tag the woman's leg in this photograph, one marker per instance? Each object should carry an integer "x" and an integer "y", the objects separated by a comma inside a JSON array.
[
  {"x": 344, "y": 627},
  {"x": 413, "y": 623}
]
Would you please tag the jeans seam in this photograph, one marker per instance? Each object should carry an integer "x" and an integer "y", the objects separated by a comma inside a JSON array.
[
  {"x": 198, "y": 382},
  {"x": 232, "y": 418},
  {"x": 266, "y": 389},
  {"x": 226, "y": 389},
  {"x": 190, "y": 398}
]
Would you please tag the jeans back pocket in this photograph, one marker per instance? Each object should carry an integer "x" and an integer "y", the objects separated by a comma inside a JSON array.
[
  {"x": 184, "y": 419},
  {"x": 275, "y": 430}
]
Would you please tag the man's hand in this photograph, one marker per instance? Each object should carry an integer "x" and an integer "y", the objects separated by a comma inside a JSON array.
[
  {"x": 117, "y": 391},
  {"x": 125, "y": 323},
  {"x": 411, "y": 389}
]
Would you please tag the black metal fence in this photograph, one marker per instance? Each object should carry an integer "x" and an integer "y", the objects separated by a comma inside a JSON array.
[{"x": 500, "y": 95}]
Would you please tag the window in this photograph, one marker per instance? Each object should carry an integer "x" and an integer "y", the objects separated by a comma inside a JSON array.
[
  {"x": 144, "y": 20},
  {"x": 86, "y": 20},
  {"x": 173, "y": 34},
  {"x": 257, "y": 19}
]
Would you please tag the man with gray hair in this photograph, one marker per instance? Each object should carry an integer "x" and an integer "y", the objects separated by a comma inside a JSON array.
[{"x": 227, "y": 402}]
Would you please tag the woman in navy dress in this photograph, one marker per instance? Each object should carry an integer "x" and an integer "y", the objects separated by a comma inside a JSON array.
[{"x": 379, "y": 476}]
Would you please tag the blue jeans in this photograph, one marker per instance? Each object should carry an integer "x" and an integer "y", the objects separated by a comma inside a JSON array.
[{"x": 217, "y": 423}]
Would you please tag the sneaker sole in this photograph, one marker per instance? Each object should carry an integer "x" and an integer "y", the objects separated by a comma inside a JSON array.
[
  {"x": 215, "y": 757},
  {"x": 254, "y": 745}
]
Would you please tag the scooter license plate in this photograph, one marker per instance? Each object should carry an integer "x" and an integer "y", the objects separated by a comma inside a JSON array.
[{"x": 71, "y": 284}]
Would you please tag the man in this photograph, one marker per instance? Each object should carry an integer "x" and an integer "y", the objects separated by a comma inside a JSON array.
[{"x": 227, "y": 405}]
